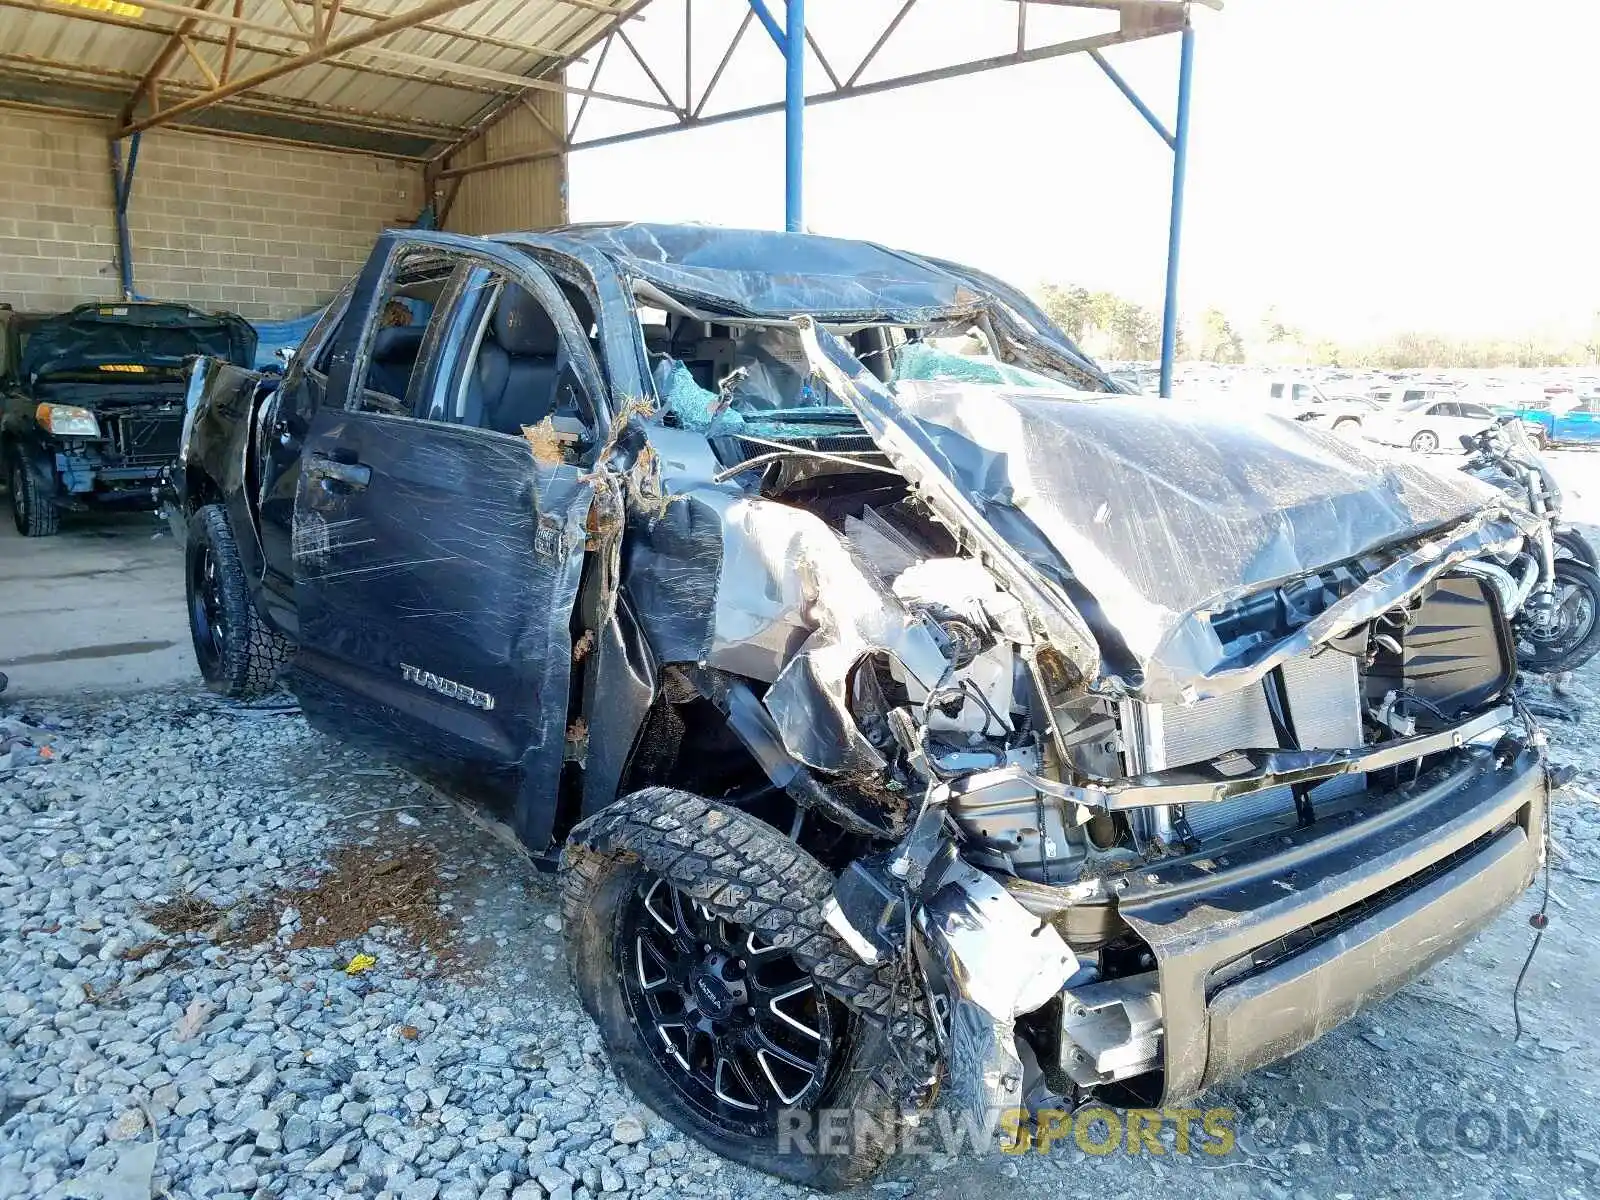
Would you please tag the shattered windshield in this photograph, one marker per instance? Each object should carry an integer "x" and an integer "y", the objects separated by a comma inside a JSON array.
[{"x": 756, "y": 379}]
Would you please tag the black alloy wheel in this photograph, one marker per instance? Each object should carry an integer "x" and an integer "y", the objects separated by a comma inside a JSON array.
[
  {"x": 208, "y": 619},
  {"x": 739, "y": 1029}
]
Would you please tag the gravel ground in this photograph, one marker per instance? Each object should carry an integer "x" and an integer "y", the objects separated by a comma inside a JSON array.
[{"x": 148, "y": 1048}]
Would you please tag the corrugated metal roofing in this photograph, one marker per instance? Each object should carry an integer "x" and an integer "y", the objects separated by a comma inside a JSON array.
[{"x": 413, "y": 90}]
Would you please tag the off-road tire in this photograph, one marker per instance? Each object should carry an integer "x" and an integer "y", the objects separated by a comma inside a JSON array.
[
  {"x": 252, "y": 653},
  {"x": 748, "y": 873},
  {"x": 31, "y": 509}
]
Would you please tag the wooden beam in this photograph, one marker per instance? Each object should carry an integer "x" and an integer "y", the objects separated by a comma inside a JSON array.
[
  {"x": 508, "y": 104},
  {"x": 556, "y": 136},
  {"x": 232, "y": 43},
  {"x": 439, "y": 27},
  {"x": 200, "y": 64},
  {"x": 175, "y": 42},
  {"x": 294, "y": 16},
  {"x": 332, "y": 49},
  {"x": 110, "y": 79},
  {"x": 332, "y": 16},
  {"x": 183, "y": 10},
  {"x": 505, "y": 77},
  {"x": 206, "y": 39}
]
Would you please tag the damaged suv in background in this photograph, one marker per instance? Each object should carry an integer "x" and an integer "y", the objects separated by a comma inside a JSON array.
[
  {"x": 92, "y": 402},
  {"x": 908, "y": 709}
]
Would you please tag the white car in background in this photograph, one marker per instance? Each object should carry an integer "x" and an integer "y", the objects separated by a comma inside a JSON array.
[{"x": 1428, "y": 423}]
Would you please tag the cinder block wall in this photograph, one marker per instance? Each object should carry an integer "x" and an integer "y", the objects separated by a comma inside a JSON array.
[{"x": 266, "y": 231}]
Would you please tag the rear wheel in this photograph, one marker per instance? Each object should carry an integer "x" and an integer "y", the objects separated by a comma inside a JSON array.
[
  {"x": 1425, "y": 441},
  {"x": 1569, "y": 636},
  {"x": 31, "y": 510},
  {"x": 1347, "y": 425},
  {"x": 696, "y": 942},
  {"x": 238, "y": 654}
]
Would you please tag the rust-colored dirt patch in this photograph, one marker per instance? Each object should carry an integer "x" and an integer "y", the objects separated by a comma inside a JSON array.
[{"x": 393, "y": 886}]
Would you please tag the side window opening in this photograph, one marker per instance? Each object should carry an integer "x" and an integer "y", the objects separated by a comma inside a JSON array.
[
  {"x": 515, "y": 375},
  {"x": 410, "y": 304}
]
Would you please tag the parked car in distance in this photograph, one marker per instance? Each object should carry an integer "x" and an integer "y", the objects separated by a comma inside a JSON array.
[
  {"x": 1397, "y": 394},
  {"x": 1427, "y": 423},
  {"x": 93, "y": 402},
  {"x": 1559, "y": 418}
]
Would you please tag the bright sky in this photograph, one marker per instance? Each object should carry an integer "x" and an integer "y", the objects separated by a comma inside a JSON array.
[{"x": 1365, "y": 165}]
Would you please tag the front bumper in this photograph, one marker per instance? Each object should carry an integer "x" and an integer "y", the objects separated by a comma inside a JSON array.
[{"x": 1264, "y": 948}]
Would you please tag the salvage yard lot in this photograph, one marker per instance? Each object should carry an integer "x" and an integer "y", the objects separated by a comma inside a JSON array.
[{"x": 238, "y": 1035}]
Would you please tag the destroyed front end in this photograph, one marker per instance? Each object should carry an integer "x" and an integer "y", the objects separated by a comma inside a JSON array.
[{"x": 1140, "y": 745}]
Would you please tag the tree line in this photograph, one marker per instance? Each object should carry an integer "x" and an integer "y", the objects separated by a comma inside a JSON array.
[{"x": 1112, "y": 327}]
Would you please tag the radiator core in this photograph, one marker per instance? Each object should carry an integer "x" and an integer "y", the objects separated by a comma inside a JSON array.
[{"x": 1324, "y": 706}]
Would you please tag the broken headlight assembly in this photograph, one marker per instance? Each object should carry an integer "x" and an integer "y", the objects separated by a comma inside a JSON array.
[{"x": 67, "y": 420}]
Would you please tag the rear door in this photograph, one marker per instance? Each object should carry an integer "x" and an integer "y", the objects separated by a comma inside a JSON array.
[{"x": 437, "y": 559}]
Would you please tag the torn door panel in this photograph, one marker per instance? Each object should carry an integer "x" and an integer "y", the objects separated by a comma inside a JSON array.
[{"x": 767, "y": 591}]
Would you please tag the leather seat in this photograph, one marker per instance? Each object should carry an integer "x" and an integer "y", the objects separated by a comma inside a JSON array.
[
  {"x": 514, "y": 380},
  {"x": 394, "y": 357}
]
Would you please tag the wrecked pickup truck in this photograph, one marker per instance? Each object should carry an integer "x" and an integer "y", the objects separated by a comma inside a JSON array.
[
  {"x": 909, "y": 709},
  {"x": 91, "y": 402}
]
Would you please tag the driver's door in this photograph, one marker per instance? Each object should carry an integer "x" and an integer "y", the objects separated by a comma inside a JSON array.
[{"x": 437, "y": 561}]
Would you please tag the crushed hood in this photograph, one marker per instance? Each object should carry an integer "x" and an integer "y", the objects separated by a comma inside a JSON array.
[
  {"x": 119, "y": 343},
  {"x": 1146, "y": 516}
]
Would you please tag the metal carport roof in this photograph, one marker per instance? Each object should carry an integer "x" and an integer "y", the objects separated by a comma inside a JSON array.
[{"x": 424, "y": 79}]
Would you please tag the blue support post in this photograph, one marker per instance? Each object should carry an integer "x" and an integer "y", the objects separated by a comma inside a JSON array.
[
  {"x": 794, "y": 117},
  {"x": 790, "y": 38},
  {"x": 1180, "y": 166},
  {"x": 121, "y": 194}
]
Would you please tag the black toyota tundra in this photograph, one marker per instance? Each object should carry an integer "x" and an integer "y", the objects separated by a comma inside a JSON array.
[
  {"x": 907, "y": 706},
  {"x": 93, "y": 402}
]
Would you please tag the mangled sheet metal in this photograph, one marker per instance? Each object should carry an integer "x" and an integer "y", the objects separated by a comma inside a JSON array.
[
  {"x": 767, "y": 591},
  {"x": 1148, "y": 517}
]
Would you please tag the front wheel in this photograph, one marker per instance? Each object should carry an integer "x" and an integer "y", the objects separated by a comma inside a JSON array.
[
  {"x": 31, "y": 510},
  {"x": 1425, "y": 441},
  {"x": 237, "y": 652},
  {"x": 1569, "y": 543},
  {"x": 1569, "y": 636},
  {"x": 696, "y": 941},
  {"x": 1347, "y": 425}
]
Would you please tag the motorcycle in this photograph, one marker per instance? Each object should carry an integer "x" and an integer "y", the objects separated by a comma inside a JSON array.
[{"x": 1554, "y": 587}]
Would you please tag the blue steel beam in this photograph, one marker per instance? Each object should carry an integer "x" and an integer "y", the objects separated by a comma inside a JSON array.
[
  {"x": 121, "y": 194},
  {"x": 780, "y": 38},
  {"x": 794, "y": 118},
  {"x": 1180, "y": 166}
]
